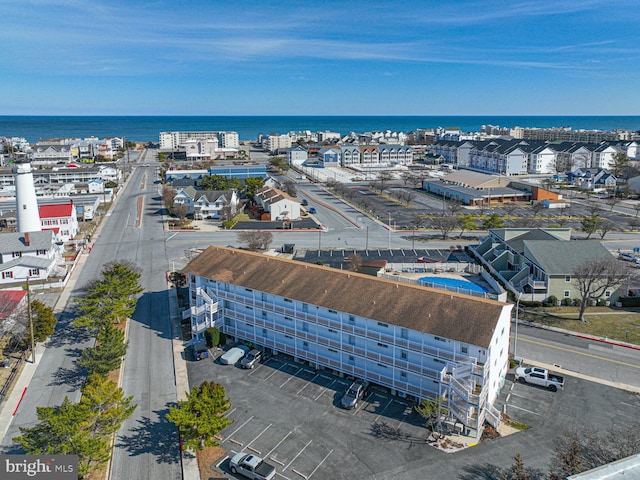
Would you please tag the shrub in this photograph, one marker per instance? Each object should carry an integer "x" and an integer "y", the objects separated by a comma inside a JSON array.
[
  {"x": 212, "y": 335},
  {"x": 567, "y": 302},
  {"x": 228, "y": 224},
  {"x": 577, "y": 302},
  {"x": 553, "y": 300},
  {"x": 529, "y": 303}
]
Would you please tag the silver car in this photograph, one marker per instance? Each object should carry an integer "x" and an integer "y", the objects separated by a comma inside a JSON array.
[
  {"x": 355, "y": 392},
  {"x": 251, "y": 359}
]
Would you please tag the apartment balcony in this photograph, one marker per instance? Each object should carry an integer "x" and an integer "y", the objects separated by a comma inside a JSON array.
[
  {"x": 537, "y": 284},
  {"x": 198, "y": 328}
]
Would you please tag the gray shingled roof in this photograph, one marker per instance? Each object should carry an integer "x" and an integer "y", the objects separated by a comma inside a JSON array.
[
  {"x": 561, "y": 258},
  {"x": 458, "y": 317},
  {"x": 28, "y": 261},
  {"x": 14, "y": 241}
]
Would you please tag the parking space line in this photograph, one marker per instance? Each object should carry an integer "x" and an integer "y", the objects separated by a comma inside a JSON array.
[
  {"x": 256, "y": 437},
  {"x": 299, "y": 453},
  {"x": 230, "y": 412},
  {"x": 254, "y": 370},
  {"x": 238, "y": 429},
  {"x": 382, "y": 411},
  {"x": 222, "y": 461},
  {"x": 629, "y": 405},
  {"x": 285, "y": 437},
  {"x": 306, "y": 384},
  {"x": 291, "y": 376},
  {"x": 524, "y": 409},
  {"x": 320, "y": 464},
  {"x": 299, "y": 473},
  {"x": 275, "y": 371}
]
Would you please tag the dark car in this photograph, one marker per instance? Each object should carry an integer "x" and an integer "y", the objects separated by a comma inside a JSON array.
[{"x": 355, "y": 392}]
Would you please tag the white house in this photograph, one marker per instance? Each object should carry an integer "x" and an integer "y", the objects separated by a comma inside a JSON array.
[
  {"x": 416, "y": 341},
  {"x": 277, "y": 203},
  {"x": 296, "y": 155},
  {"x": 542, "y": 160},
  {"x": 60, "y": 218},
  {"x": 29, "y": 254},
  {"x": 207, "y": 203}
]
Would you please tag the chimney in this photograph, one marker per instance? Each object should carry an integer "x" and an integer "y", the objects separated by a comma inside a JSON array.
[{"x": 26, "y": 239}]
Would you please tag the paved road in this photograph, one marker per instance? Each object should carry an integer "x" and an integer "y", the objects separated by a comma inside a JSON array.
[{"x": 147, "y": 445}]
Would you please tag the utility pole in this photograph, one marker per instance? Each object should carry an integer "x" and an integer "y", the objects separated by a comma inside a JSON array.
[
  {"x": 33, "y": 346},
  {"x": 389, "y": 231}
]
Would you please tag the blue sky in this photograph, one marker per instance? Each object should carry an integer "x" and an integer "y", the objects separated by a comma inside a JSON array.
[{"x": 210, "y": 57}]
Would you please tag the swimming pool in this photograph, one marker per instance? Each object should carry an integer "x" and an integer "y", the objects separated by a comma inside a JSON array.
[{"x": 453, "y": 284}]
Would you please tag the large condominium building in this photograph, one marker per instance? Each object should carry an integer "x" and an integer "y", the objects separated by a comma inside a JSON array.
[
  {"x": 416, "y": 341},
  {"x": 172, "y": 140}
]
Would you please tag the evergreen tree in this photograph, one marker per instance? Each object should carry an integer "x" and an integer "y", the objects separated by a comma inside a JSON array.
[
  {"x": 252, "y": 185},
  {"x": 108, "y": 352},
  {"x": 44, "y": 321},
  {"x": 590, "y": 224},
  {"x": 110, "y": 299},
  {"x": 201, "y": 416},
  {"x": 82, "y": 428},
  {"x": 493, "y": 221}
]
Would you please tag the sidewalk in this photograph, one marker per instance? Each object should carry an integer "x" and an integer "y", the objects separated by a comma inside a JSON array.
[{"x": 190, "y": 470}]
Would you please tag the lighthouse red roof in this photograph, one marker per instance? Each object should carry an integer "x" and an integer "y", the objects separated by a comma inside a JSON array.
[{"x": 56, "y": 211}]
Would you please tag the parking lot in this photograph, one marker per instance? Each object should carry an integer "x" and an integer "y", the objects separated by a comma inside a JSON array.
[{"x": 289, "y": 414}]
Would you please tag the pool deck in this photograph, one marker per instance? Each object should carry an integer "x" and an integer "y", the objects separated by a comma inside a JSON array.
[{"x": 476, "y": 279}]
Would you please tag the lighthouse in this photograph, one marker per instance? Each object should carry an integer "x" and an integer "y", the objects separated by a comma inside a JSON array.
[{"x": 27, "y": 214}]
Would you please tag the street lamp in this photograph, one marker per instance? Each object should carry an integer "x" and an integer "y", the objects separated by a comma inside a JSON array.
[{"x": 515, "y": 337}]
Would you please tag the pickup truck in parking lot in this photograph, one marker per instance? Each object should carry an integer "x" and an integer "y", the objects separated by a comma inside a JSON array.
[
  {"x": 251, "y": 466},
  {"x": 541, "y": 377}
]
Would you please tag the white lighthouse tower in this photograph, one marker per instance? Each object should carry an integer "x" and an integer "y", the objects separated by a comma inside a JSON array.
[{"x": 27, "y": 214}]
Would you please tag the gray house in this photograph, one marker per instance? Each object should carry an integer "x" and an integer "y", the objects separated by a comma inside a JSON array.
[{"x": 539, "y": 262}]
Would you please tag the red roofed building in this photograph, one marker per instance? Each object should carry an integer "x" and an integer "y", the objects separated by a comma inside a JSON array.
[
  {"x": 61, "y": 218},
  {"x": 11, "y": 301}
]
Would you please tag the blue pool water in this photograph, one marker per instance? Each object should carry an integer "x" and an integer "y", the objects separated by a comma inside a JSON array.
[{"x": 453, "y": 283}]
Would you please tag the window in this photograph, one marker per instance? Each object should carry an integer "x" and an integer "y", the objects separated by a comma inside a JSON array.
[
  {"x": 404, "y": 333},
  {"x": 34, "y": 272},
  {"x": 16, "y": 254},
  {"x": 305, "y": 307},
  {"x": 403, "y": 355},
  {"x": 403, "y": 374},
  {"x": 607, "y": 294},
  {"x": 567, "y": 293},
  {"x": 8, "y": 274},
  {"x": 332, "y": 350},
  {"x": 289, "y": 319},
  {"x": 464, "y": 349},
  {"x": 440, "y": 339},
  {"x": 332, "y": 311},
  {"x": 265, "y": 333},
  {"x": 352, "y": 319},
  {"x": 331, "y": 330},
  {"x": 264, "y": 314},
  {"x": 381, "y": 324},
  {"x": 248, "y": 290},
  {"x": 567, "y": 278},
  {"x": 383, "y": 345},
  {"x": 288, "y": 300},
  {"x": 227, "y": 321},
  {"x": 352, "y": 359},
  {"x": 305, "y": 327},
  {"x": 351, "y": 339},
  {"x": 248, "y": 307}
]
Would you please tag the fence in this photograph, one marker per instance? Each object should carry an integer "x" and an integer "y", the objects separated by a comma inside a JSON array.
[{"x": 6, "y": 386}]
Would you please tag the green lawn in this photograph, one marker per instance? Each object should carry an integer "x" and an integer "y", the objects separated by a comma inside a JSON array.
[{"x": 613, "y": 323}]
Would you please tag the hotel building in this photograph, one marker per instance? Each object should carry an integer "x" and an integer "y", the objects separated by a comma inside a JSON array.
[{"x": 416, "y": 341}]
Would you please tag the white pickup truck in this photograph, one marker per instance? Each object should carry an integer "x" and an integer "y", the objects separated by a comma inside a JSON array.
[
  {"x": 251, "y": 466},
  {"x": 540, "y": 376}
]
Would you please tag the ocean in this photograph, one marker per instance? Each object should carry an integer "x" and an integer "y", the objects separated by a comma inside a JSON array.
[{"x": 143, "y": 129}]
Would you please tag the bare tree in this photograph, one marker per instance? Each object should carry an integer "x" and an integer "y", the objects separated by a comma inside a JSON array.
[
  {"x": 354, "y": 261},
  {"x": 605, "y": 227},
  {"x": 289, "y": 188},
  {"x": 168, "y": 194},
  {"x": 179, "y": 210},
  {"x": 613, "y": 201},
  {"x": 445, "y": 224},
  {"x": 536, "y": 207},
  {"x": 454, "y": 207},
  {"x": 383, "y": 178},
  {"x": 509, "y": 207},
  {"x": 596, "y": 276},
  {"x": 255, "y": 240}
]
